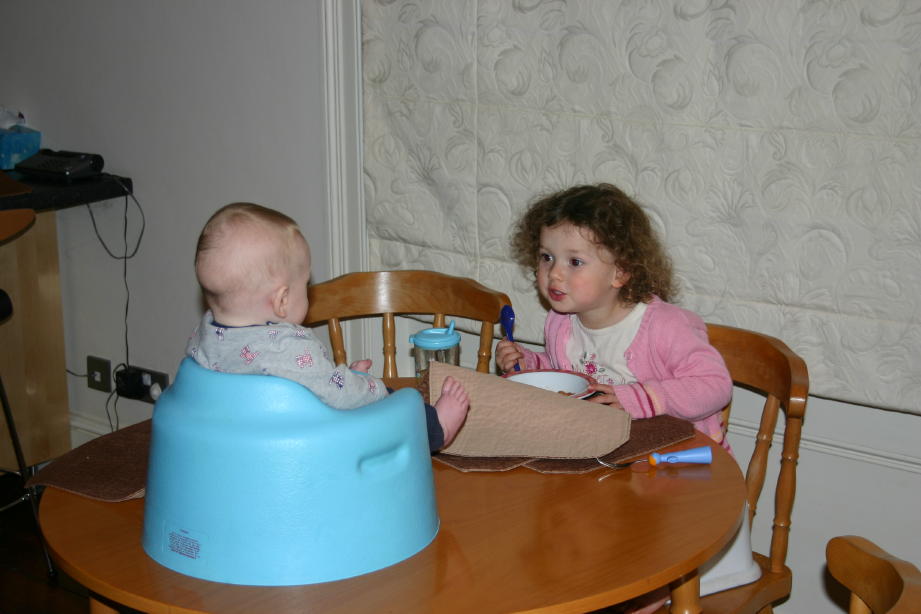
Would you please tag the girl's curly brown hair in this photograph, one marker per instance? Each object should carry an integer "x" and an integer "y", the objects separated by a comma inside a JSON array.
[{"x": 617, "y": 223}]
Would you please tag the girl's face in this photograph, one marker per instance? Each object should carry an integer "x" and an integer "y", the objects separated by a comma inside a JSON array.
[{"x": 576, "y": 275}]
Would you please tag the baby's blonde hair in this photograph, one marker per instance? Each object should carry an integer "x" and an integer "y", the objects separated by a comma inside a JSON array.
[{"x": 243, "y": 247}]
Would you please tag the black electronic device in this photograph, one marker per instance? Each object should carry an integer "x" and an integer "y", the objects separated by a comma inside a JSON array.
[{"x": 61, "y": 165}]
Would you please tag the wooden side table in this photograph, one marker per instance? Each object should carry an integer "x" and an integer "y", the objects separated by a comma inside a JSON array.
[{"x": 33, "y": 360}]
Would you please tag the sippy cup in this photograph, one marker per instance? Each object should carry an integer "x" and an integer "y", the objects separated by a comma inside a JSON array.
[{"x": 439, "y": 344}]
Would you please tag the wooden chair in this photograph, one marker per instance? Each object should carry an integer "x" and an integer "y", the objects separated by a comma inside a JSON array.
[
  {"x": 765, "y": 365},
  {"x": 878, "y": 582},
  {"x": 392, "y": 293}
]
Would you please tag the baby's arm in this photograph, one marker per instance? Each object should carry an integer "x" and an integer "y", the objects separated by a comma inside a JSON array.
[
  {"x": 299, "y": 355},
  {"x": 364, "y": 365}
]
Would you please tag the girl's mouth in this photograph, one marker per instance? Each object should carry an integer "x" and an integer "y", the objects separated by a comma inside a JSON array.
[{"x": 555, "y": 295}]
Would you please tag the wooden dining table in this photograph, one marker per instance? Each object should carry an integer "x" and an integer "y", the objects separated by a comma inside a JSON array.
[{"x": 511, "y": 541}]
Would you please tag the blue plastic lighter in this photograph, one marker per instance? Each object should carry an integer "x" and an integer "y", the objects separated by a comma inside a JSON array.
[{"x": 702, "y": 455}]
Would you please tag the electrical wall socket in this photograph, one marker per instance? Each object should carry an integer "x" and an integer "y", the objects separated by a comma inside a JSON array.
[
  {"x": 148, "y": 378},
  {"x": 99, "y": 374},
  {"x": 135, "y": 382}
]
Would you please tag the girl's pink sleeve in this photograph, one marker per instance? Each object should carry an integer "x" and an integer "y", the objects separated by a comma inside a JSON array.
[
  {"x": 635, "y": 400},
  {"x": 554, "y": 334},
  {"x": 692, "y": 381},
  {"x": 536, "y": 360}
]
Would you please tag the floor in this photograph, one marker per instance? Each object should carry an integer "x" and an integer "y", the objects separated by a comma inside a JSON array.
[{"x": 25, "y": 587}]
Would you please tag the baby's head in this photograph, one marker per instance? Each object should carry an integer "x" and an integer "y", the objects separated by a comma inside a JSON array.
[
  {"x": 613, "y": 221},
  {"x": 253, "y": 265}
]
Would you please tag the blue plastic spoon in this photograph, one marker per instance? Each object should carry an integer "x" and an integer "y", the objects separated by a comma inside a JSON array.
[{"x": 507, "y": 317}]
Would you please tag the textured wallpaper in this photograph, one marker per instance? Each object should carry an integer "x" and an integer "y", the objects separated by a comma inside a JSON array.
[{"x": 776, "y": 144}]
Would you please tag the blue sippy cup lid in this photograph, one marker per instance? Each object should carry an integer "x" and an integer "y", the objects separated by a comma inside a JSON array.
[{"x": 436, "y": 338}]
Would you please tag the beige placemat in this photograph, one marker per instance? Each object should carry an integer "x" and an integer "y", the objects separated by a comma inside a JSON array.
[
  {"x": 508, "y": 418},
  {"x": 112, "y": 467},
  {"x": 646, "y": 436}
]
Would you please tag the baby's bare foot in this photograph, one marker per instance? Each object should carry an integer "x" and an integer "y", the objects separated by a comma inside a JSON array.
[{"x": 451, "y": 408}]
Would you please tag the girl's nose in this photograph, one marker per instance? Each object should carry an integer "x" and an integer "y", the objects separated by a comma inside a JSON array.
[{"x": 556, "y": 271}]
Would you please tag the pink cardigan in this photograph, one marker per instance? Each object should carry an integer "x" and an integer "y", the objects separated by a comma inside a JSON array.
[{"x": 678, "y": 372}]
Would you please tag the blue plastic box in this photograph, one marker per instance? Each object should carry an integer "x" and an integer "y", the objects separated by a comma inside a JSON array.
[{"x": 16, "y": 144}]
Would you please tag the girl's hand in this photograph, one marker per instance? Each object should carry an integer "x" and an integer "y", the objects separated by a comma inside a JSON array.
[
  {"x": 507, "y": 354},
  {"x": 363, "y": 366},
  {"x": 605, "y": 395}
]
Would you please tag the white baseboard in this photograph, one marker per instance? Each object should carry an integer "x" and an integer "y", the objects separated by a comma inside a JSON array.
[
  {"x": 831, "y": 447},
  {"x": 85, "y": 428}
]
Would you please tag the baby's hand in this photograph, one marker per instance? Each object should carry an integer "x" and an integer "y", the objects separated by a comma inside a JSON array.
[
  {"x": 605, "y": 395},
  {"x": 451, "y": 408},
  {"x": 508, "y": 354},
  {"x": 363, "y": 365}
]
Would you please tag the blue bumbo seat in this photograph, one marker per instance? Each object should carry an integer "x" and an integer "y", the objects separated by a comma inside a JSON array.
[{"x": 253, "y": 480}]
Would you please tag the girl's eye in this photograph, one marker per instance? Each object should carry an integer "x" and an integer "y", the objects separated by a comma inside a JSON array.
[
  {"x": 545, "y": 258},
  {"x": 576, "y": 262}
]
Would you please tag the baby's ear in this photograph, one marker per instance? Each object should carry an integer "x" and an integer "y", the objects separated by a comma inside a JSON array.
[
  {"x": 280, "y": 302},
  {"x": 621, "y": 278}
]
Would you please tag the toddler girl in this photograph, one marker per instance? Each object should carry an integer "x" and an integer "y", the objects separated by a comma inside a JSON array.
[{"x": 605, "y": 275}]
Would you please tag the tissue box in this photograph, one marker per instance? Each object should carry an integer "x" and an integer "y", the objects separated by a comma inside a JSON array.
[{"x": 16, "y": 144}]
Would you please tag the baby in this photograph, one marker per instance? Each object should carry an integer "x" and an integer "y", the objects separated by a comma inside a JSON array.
[{"x": 253, "y": 265}]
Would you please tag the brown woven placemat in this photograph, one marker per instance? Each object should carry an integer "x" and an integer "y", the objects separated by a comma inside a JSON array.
[
  {"x": 646, "y": 436},
  {"x": 112, "y": 467}
]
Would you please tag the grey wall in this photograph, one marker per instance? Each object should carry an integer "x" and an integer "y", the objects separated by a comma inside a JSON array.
[{"x": 200, "y": 103}]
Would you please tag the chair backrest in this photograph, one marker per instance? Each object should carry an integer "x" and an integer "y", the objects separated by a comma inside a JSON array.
[
  {"x": 392, "y": 293},
  {"x": 878, "y": 582},
  {"x": 766, "y": 365}
]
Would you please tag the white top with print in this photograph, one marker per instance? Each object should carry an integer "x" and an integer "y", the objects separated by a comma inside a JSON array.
[{"x": 600, "y": 352}]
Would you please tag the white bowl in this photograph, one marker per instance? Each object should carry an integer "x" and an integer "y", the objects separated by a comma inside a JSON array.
[{"x": 564, "y": 382}]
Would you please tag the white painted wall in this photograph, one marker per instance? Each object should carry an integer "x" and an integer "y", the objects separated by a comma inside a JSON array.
[{"x": 200, "y": 103}]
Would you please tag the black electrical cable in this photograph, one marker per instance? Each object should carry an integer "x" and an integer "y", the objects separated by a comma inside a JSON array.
[
  {"x": 124, "y": 258},
  {"x": 125, "y": 277},
  {"x": 112, "y": 427},
  {"x": 137, "y": 245}
]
